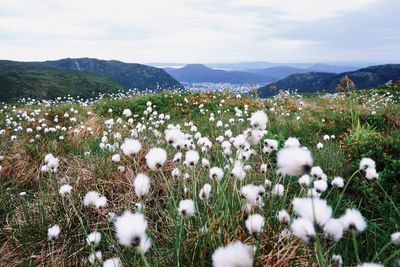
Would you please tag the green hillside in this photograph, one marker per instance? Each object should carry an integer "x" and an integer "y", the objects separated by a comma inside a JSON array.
[
  {"x": 128, "y": 75},
  {"x": 365, "y": 78},
  {"x": 20, "y": 79}
]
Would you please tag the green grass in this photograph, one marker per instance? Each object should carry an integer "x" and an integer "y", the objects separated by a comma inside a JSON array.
[{"x": 25, "y": 219}]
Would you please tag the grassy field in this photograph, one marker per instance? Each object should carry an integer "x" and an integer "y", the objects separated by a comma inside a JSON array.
[{"x": 338, "y": 130}]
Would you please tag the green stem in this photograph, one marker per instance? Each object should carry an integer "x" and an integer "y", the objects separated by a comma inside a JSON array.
[
  {"x": 390, "y": 199},
  {"x": 320, "y": 256},
  {"x": 178, "y": 246},
  {"x": 353, "y": 232},
  {"x": 394, "y": 254},
  {"x": 52, "y": 252},
  {"x": 145, "y": 262},
  {"x": 381, "y": 251},
  {"x": 343, "y": 191}
]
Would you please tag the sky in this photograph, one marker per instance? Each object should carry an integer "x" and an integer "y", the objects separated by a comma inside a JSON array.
[{"x": 202, "y": 31}]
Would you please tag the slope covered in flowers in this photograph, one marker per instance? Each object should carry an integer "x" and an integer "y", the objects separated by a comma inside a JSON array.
[{"x": 201, "y": 179}]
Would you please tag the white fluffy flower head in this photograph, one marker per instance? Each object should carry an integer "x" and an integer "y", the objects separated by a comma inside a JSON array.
[
  {"x": 130, "y": 228},
  {"x": 294, "y": 161},
  {"x": 233, "y": 254}
]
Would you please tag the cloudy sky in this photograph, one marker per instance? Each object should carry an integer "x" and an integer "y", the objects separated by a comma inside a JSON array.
[{"x": 202, "y": 30}]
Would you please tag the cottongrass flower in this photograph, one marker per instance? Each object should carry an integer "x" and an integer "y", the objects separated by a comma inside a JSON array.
[
  {"x": 131, "y": 147},
  {"x": 93, "y": 198},
  {"x": 371, "y": 174},
  {"x": 156, "y": 158},
  {"x": 113, "y": 262},
  {"x": 252, "y": 194},
  {"x": 216, "y": 173},
  {"x": 259, "y": 120},
  {"x": 177, "y": 157},
  {"x": 191, "y": 158},
  {"x": 333, "y": 230},
  {"x": 51, "y": 165},
  {"x": 369, "y": 167},
  {"x": 205, "y": 192},
  {"x": 186, "y": 208},
  {"x": 336, "y": 261},
  {"x": 278, "y": 190},
  {"x": 53, "y": 232},
  {"x": 320, "y": 186},
  {"x": 316, "y": 172},
  {"x": 175, "y": 173},
  {"x": 141, "y": 185},
  {"x": 233, "y": 254},
  {"x": 283, "y": 216},
  {"x": 65, "y": 190},
  {"x": 130, "y": 228},
  {"x": 320, "y": 145},
  {"x": 116, "y": 158},
  {"x": 93, "y": 239},
  {"x": 121, "y": 168},
  {"x": 238, "y": 171},
  {"x": 366, "y": 163},
  {"x": 305, "y": 180},
  {"x": 337, "y": 182},
  {"x": 353, "y": 220},
  {"x": 95, "y": 258},
  {"x": 174, "y": 136},
  {"x": 255, "y": 224},
  {"x": 292, "y": 142},
  {"x": 267, "y": 183},
  {"x": 263, "y": 168},
  {"x": 313, "y": 209},
  {"x": 127, "y": 112},
  {"x": 395, "y": 238},
  {"x": 270, "y": 145},
  {"x": 370, "y": 264},
  {"x": 101, "y": 202},
  {"x": 205, "y": 162},
  {"x": 303, "y": 229},
  {"x": 240, "y": 142},
  {"x": 294, "y": 161}
]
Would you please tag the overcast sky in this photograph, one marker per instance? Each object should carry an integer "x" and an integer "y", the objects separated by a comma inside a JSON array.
[{"x": 202, "y": 30}]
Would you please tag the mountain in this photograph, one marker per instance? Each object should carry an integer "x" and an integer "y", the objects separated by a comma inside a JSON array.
[
  {"x": 194, "y": 73},
  {"x": 128, "y": 75},
  {"x": 77, "y": 77},
  {"x": 257, "y": 65},
  {"x": 281, "y": 72},
  {"x": 319, "y": 67},
  {"x": 27, "y": 79},
  {"x": 364, "y": 78}
]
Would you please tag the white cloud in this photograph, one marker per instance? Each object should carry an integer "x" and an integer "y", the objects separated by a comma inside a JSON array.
[{"x": 189, "y": 30}]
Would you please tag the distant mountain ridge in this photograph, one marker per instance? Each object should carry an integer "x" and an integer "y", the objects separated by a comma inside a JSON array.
[
  {"x": 34, "y": 80},
  {"x": 364, "y": 78},
  {"x": 128, "y": 75},
  {"x": 84, "y": 77},
  {"x": 281, "y": 72},
  {"x": 194, "y": 73}
]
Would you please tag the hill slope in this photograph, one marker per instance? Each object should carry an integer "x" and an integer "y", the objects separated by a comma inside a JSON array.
[
  {"x": 282, "y": 72},
  {"x": 22, "y": 79},
  {"x": 128, "y": 75},
  {"x": 201, "y": 73},
  {"x": 318, "y": 81}
]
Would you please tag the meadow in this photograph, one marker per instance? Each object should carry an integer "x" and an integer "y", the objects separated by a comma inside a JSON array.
[{"x": 202, "y": 179}]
